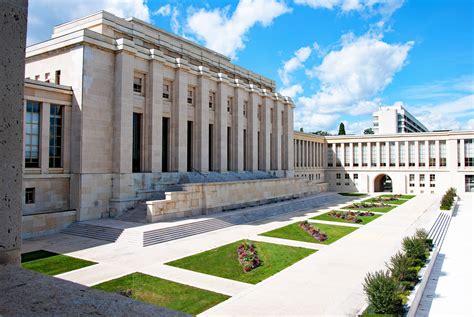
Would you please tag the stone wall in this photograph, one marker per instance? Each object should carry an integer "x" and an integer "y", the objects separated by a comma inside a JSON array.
[
  {"x": 44, "y": 224},
  {"x": 204, "y": 198}
]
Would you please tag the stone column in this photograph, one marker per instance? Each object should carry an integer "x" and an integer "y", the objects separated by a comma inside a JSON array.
[
  {"x": 305, "y": 153},
  {"x": 221, "y": 125},
  {"x": 378, "y": 154},
  {"x": 451, "y": 155},
  {"x": 288, "y": 146},
  {"x": 154, "y": 111},
  {"x": 201, "y": 124},
  {"x": 407, "y": 156},
  {"x": 351, "y": 154},
  {"x": 461, "y": 154},
  {"x": 343, "y": 154},
  {"x": 265, "y": 131},
  {"x": 417, "y": 154},
  {"x": 12, "y": 61},
  {"x": 397, "y": 153},
  {"x": 237, "y": 128},
  {"x": 44, "y": 130},
  {"x": 276, "y": 132},
  {"x": 427, "y": 154},
  {"x": 360, "y": 154},
  {"x": 252, "y": 130},
  {"x": 179, "y": 119}
]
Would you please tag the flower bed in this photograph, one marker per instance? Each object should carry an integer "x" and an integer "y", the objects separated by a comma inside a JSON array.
[
  {"x": 367, "y": 205},
  {"x": 315, "y": 232},
  {"x": 248, "y": 257},
  {"x": 350, "y": 216}
]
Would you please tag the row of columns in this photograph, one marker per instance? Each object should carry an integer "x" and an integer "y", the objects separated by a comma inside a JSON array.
[
  {"x": 339, "y": 153},
  {"x": 279, "y": 134},
  {"x": 308, "y": 154}
]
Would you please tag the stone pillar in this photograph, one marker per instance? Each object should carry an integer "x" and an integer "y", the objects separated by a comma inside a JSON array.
[
  {"x": 237, "y": 128},
  {"x": 437, "y": 154},
  {"x": 44, "y": 135},
  {"x": 397, "y": 153},
  {"x": 427, "y": 154},
  {"x": 154, "y": 112},
  {"x": 288, "y": 146},
  {"x": 305, "y": 153},
  {"x": 407, "y": 156},
  {"x": 451, "y": 155},
  {"x": 360, "y": 154},
  {"x": 461, "y": 154},
  {"x": 343, "y": 154},
  {"x": 265, "y": 131},
  {"x": 201, "y": 124},
  {"x": 351, "y": 154},
  {"x": 221, "y": 125},
  {"x": 378, "y": 154},
  {"x": 179, "y": 119},
  {"x": 12, "y": 61},
  {"x": 276, "y": 133},
  {"x": 417, "y": 154},
  {"x": 252, "y": 130}
]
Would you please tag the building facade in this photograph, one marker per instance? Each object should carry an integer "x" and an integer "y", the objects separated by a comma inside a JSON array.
[
  {"x": 396, "y": 119},
  {"x": 145, "y": 107},
  {"x": 415, "y": 163}
]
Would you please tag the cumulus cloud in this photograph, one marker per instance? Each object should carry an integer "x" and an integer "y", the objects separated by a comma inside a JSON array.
[
  {"x": 353, "y": 75},
  {"x": 163, "y": 11},
  {"x": 294, "y": 63},
  {"x": 314, "y": 121},
  {"x": 292, "y": 91},
  {"x": 225, "y": 32},
  {"x": 43, "y": 15},
  {"x": 383, "y": 7}
]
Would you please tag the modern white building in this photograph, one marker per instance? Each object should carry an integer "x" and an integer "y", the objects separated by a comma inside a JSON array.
[{"x": 396, "y": 119}]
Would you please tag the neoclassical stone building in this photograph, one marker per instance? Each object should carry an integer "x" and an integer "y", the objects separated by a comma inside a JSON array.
[{"x": 141, "y": 108}]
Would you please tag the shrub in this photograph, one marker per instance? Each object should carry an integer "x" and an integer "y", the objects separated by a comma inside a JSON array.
[
  {"x": 383, "y": 293},
  {"x": 422, "y": 234},
  {"x": 415, "y": 248},
  {"x": 402, "y": 268},
  {"x": 448, "y": 199}
]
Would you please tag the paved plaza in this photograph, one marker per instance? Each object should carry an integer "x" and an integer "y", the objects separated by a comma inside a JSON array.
[
  {"x": 326, "y": 282},
  {"x": 449, "y": 290}
]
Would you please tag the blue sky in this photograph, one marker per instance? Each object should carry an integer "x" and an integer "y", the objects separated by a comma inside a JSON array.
[{"x": 338, "y": 59}]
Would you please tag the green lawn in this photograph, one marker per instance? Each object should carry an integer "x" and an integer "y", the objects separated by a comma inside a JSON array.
[
  {"x": 376, "y": 209},
  {"x": 223, "y": 261},
  {"x": 51, "y": 263},
  {"x": 157, "y": 291},
  {"x": 352, "y": 194},
  {"x": 402, "y": 196},
  {"x": 391, "y": 202},
  {"x": 365, "y": 219},
  {"x": 294, "y": 232}
]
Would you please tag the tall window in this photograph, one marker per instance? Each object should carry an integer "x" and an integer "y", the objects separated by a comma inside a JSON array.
[
  {"x": 259, "y": 112},
  {"x": 347, "y": 157},
  {"x": 468, "y": 152},
  {"x": 392, "y": 153},
  {"x": 401, "y": 154},
  {"x": 432, "y": 153},
  {"x": 442, "y": 153},
  {"x": 212, "y": 100},
  {"x": 383, "y": 154},
  {"x": 32, "y": 126},
  {"x": 373, "y": 154},
  {"x": 138, "y": 85},
  {"x": 229, "y": 104},
  {"x": 421, "y": 154},
  {"x": 55, "y": 135},
  {"x": 190, "y": 98},
  {"x": 364, "y": 154},
  {"x": 330, "y": 155},
  {"x": 167, "y": 90},
  {"x": 411, "y": 153},
  {"x": 245, "y": 108},
  {"x": 356, "y": 154}
]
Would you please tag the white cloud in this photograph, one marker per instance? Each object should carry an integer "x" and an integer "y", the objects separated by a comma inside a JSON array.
[
  {"x": 292, "y": 91},
  {"x": 313, "y": 121},
  {"x": 294, "y": 63},
  {"x": 356, "y": 73},
  {"x": 43, "y": 15},
  {"x": 383, "y": 7},
  {"x": 163, "y": 11},
  {"x": 225, "y": 32}
]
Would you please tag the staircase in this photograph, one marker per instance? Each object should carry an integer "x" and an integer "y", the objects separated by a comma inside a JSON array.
[
  {"x": 94, "y": 232},
  {"x": 439, "y": 228}
]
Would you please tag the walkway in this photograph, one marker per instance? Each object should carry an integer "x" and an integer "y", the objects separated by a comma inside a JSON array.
[{"x": 449, "y": 291}]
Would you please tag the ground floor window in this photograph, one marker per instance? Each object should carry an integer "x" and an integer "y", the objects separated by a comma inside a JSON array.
[{"x": 469, "y": 183}]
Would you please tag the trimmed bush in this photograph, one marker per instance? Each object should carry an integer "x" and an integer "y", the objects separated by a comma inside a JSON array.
[
  {"x": 447, "y": 200},
  {"x": 402, "y": 268},
  {"x": 383, "y": 293},
  {"x": 416, "y": 249}
]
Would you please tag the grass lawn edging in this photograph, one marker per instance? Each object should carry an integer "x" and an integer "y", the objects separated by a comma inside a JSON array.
[
  {"x": 223, "y": 261},
  {"x": 51, "y": 263}
]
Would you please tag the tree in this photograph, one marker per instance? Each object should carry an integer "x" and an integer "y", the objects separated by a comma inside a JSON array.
[
  {"x": 369, "y": 131},
  {"x": 301, "y": 130},
  {"x": 320, "y": 132},
  {"x": 342, "y": 129}
]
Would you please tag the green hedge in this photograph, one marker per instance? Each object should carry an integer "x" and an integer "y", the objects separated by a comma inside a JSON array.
[{"x": 448, "y": 199}]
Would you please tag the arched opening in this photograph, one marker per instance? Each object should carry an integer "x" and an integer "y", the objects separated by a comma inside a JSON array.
[{"x": 383, "y": 183}]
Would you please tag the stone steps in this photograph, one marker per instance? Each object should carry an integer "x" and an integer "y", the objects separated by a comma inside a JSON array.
[
  {"x": 93, "y": 231},
  {"x": 439, "y": 228}
]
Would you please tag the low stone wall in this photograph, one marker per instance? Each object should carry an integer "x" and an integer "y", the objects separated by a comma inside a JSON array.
[
  {"x": 47, "y": 223},
  {"x": 205, "y": 198}
]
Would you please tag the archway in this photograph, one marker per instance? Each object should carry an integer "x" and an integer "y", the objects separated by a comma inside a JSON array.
[{"x": 383, "y": 183}]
